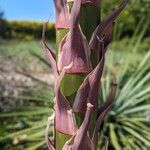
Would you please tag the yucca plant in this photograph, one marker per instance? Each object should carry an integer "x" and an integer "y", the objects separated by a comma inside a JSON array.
[
  {"x": 25, "y": 125},
  {"x": 110, "y": 130},
  {"x": 127, "y": 125},
  {"x": 28, "y": 131},
  {"x": 78, "y": 66}
]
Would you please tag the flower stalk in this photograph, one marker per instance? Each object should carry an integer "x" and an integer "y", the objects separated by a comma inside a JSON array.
[{"x": 82, "y": 42}]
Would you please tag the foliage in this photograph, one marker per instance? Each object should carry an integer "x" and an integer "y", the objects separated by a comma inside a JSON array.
[
  {"x": 16, "y": 54},
  {"x": 1, "y": 13},
  {"x": 22, "y": 120},
  {"x": 129, "y": 19},
  {"x": 25, "y": 30},
  {"x": 22, "y": 127},
  {"x": 137, "y": 11},
  {"x": 127, "y": 125}
]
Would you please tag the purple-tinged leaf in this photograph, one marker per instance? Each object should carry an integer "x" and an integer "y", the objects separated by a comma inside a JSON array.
[
  {"x": 110, "y": 98},
  {"x": 50, "y": 54},
  {"x": 106, "y": 25},
  {"x": 89, "y": 89},
  {"x": 108, "y": 35},
  {"x": 49, "y": 143},
  {"x": 106, "y": 142},
  {"x": 62, "y": 14},
  {"x": 81, "y": 140},
  {"x": 64, "y": 118},
  {"x": 102, "y": 113},
  {"x": 74, "y": 47}
]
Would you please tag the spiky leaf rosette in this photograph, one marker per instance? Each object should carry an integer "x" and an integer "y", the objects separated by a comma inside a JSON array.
[{"x": 127, "y": 125}]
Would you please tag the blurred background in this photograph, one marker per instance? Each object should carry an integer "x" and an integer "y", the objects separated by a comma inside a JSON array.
[{"x": 26, "y": 93}]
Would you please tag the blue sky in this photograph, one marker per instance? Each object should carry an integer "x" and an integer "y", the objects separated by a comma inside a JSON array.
[{"x": 37, "y": 10}]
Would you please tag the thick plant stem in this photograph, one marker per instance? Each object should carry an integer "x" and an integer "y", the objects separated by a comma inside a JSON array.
[{"x": 89, "y": 19}]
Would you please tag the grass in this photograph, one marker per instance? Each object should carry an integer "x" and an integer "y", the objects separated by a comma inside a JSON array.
[
  {"x": 22, "y": 126},
  {"x": 20, "y": 53},
  {"x": 21, "y": 121},
  {"x": 127, "y": 124},
  {"x": 21, "y": 48}
]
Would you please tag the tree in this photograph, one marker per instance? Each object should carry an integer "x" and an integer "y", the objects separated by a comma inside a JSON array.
[{"x": 1, "y": 14}]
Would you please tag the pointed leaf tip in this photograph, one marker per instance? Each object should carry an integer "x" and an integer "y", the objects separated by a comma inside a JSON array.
[
  {"x": 102, "y": 112},
  {"x": 49, "y": 143},
  {"x": 89, "y": 89},
  {"x": 106, "y": 26},
  {"x": 110, "y": 98},
  {"x": 50, "y": 54},
  {"x": 106, "y": 142},
  {"x": 74, "y": 47},
  {"x": 62, "y": 14},
  {"x": 81, "y": 140},
  {"x": 64, "y": 119}
]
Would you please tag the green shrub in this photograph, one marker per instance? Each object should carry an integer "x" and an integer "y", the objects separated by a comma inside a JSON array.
[
  {"x": 136, "y": 11},
  {"x": 25, "y": 30}
]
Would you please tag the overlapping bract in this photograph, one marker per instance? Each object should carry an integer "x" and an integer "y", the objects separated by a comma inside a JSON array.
[
  {"x": 64, "y": 117},
  {"x": 81, "y": 139},
  {"x": 62, "y": 14},
  {"x": 105, "y": 29},
  {"x": 89, "y": 89},
  {"x": 74, "y": 47},
  {"x": 73, "y": 58}
]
